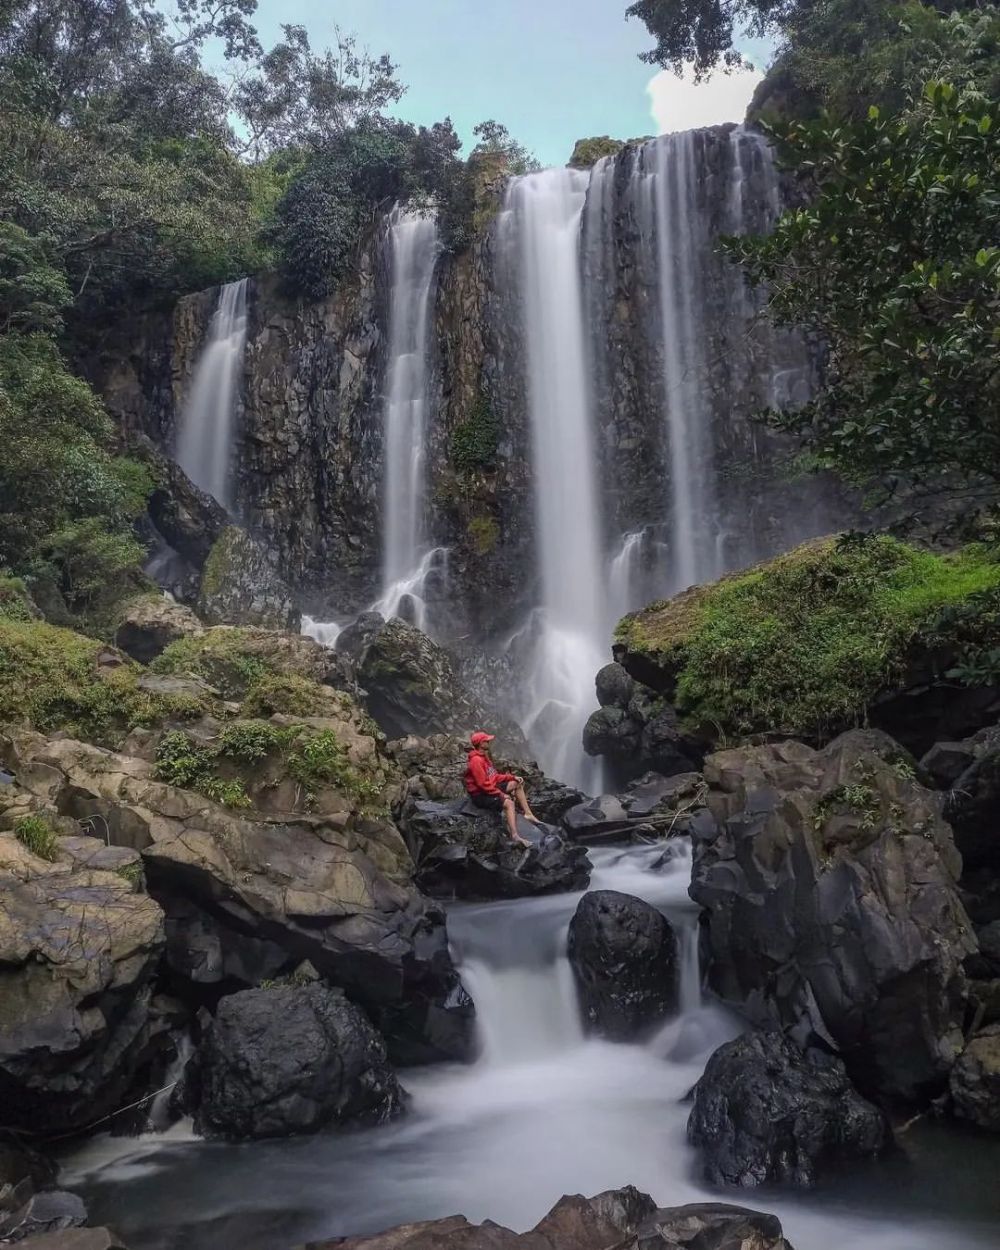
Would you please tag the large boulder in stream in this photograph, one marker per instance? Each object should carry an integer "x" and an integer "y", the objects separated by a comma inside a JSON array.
[
  {"x": 249, "y": 894},
  {"x": 975, "y": 1080},
  {"x": 78, "y": 949},
  {"x": 636, "y": 730},
  {"x": 412, "y": 686},
  {"x": 828, "y": 879},
  {"x": 623, "y": 953},
  {"x": 463, "y": 852},
  {"x": 766, "y": 1113},
  {"x": 286, "y": 1060},
  {"x": 622, "y": 1219}
]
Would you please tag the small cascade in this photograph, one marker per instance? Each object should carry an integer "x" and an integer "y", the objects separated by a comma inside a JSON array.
[
  {"x": 407, "y": 597},
  {"x": 205, "y": 434},
  {"x": 539, "y": 232},
  {"x": 625, "y": 574},
  {"x": 159, "y": 1118},
  {"x": 325, "y": 633},
  {"x": 413, "y": 247}
]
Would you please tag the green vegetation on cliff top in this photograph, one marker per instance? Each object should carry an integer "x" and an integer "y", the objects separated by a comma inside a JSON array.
[{"x": 803, "y": 643}]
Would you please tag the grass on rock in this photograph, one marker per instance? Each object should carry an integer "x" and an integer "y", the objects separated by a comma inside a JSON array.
[{"x": 802, "y": 644}]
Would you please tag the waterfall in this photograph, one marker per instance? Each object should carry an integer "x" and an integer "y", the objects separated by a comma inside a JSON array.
[
  {"x": 413, "y": 247},
  {"x": 205, "y": 433},
  {"x": 625, "y": 574},
  {"x": 540, "y": 236},
  {"x": 719, "y": 360}
]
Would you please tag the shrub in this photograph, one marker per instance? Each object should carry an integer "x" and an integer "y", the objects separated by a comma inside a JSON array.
[
  {"x": 475, "y": 441},
  {"x": 484, "y": 534},
  {"x": 36, "y": 834}
]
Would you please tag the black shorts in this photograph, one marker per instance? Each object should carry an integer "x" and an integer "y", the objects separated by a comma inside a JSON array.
[{"x": 487, "y": 802}]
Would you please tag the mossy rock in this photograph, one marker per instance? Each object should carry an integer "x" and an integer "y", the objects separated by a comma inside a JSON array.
[
  {"x": 805, "y": 643},
  {"x": 54, "y": 679},
  {"x": 241, "y": 586},
  {"x": 235, "y": 660}
]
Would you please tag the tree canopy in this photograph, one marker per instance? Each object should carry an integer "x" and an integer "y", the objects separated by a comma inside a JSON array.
[{"x": 894, "y": 265}]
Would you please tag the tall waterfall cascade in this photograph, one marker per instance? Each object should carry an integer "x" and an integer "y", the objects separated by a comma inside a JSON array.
[
  {"x": 540, "y": 232},
  {"x": 206, "y": 432},
  {"x": 719, "y": 359},
  {"x": 413, "y": 246}
]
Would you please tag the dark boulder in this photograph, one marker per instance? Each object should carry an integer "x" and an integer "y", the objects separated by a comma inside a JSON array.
[
  {"x": 288, "y": 1060},
  {"x": 624, "y": 958},
  {"x": 975, "y": 1080},
  {"x": 765, "y": 1113},
  {"x": 945, "y": 762},
  {"x": 48, "y": 1213},
  {"x": 188, "y": 519},
  {"x": 637, "y": 735},
  {"x": 829, "y": 882},
  {"x": 462, "y": 852},
  {"x": 973, "y": 810},
  {"x": 413, "y": 688},
  {"x": 614, "y": 686}
]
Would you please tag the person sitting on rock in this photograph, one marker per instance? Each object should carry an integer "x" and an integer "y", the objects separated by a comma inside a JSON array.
[{"x": 495, "y": 791}]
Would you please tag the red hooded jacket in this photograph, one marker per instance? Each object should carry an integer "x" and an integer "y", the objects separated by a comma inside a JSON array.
[{"x": 481, "y": 777}]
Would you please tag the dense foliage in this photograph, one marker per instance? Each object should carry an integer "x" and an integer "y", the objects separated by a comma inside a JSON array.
[
  {"x": 894, "y": 263},
  {"x": 803, "y": 644}
]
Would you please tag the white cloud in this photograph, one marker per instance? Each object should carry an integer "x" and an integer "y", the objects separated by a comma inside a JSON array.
[{"x": 681, "y": 104}]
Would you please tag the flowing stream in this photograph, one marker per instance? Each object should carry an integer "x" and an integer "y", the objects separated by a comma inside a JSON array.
[
  {"x": 206, "y": 432},
  {"x": 543, "y": 1112}
]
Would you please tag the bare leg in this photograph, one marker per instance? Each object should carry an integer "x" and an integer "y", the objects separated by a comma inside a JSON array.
[
  {"x": 510, "y": 814},
  {"x": 524, "y": 805}
]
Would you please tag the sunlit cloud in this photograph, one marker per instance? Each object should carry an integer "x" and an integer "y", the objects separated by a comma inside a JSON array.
[{"x": 679, "y": 103}]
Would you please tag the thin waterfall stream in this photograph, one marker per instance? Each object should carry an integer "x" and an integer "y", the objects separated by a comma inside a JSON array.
[
  {"x": 544, "y": 1111},
  {"x": 206, "y": 432}
]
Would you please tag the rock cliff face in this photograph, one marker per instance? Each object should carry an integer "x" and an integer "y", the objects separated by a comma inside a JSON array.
[{"x": 308, "y": 457}]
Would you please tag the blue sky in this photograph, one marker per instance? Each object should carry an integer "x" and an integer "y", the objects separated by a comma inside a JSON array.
[{"x": 552, "y": 71}]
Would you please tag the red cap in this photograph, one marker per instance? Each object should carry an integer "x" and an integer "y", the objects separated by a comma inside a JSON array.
[{"x": 480, "y": 738}]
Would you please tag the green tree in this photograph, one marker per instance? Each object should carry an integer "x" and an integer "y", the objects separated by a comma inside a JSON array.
[
  {"x": 894, "y": 266},
  {"x": 68, "y": 502}
]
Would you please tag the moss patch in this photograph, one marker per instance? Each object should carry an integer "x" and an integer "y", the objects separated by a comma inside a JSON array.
[
  {"x": 288, "y": 694},
  {"x": 484, "y": 534},
  {"x": 50, "y": 679},
  {"x": 228, "y": 659},
  {"x": 802, "y": 644}
]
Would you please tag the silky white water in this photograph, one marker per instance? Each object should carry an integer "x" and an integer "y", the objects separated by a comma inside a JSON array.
[
  {"x": 413, "y": 248},
  {"x": 539, "y": 232},
  {"x": 205, "y": 434},
  {"x": 542, "y": 1113}
]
